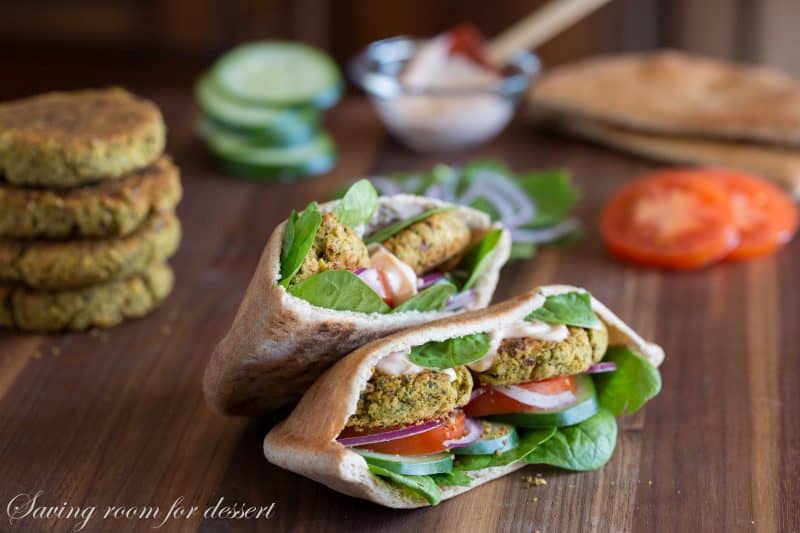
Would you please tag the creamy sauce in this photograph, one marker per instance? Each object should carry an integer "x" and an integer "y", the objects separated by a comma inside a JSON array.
[
  {"x": 398, "y": 364},
  {"x": 534, "y": 329},
  {"x": 400, "y": 277}
]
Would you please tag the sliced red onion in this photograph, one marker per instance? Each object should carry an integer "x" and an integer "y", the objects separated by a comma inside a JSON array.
[
  {"x": 514, "y": 207},
  {"x": 460, "y": 300},
  {"x": 394, "y": 434},
  {"x": 372, "y": 277},
  {"x": 479, "y": 391},
  {"x": 543, "y": 235},
  {"x": 429, "y": 279},
  {"x": 536, "y": 399},
  {"x": 599, "y": 368},
  {"x": 474, "y": 431}
]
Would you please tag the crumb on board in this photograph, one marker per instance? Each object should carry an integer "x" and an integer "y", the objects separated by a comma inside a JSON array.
[{"x": 537, "y": 480}]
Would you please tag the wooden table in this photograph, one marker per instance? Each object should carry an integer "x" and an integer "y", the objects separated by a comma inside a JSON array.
[{"x": 118, "y": 418}]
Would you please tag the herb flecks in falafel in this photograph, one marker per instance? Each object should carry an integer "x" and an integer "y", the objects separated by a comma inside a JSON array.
[
  {"x": 430, "y": 242},
  {"x": 528, "y": 359},
  {"x": 410, "y": 398},
  {"x": 336, "y": 247}
]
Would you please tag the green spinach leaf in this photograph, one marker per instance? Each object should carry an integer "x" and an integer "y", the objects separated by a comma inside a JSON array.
[
  {"x": 392, "y": 229},
  {"x": 631, "y": 385},
  {"x": 298, "y": 240},
  {"x": 433, "y": 298},
  {"x": 527, "y": 444},
  {"x": 571, "y": 308},
  {"x": 340, "y": 290},
  {"x": 552, "y": 192},
  {"x": 477, "y": 258},
  {"x": 452, "y": 352},
  {"x": 422, "y": 486},
  {"x": 585, "y": 446},
  {"x": 450, "y": 479},
  {"x": 358, "y": 204}
]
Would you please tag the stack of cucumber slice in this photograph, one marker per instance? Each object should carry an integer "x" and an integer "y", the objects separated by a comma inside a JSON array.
[{"x": 261, "y": 106}]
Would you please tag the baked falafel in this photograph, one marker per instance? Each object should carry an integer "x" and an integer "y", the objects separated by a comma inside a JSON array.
[
  {"x": 336, "y": 247},
  {"x": 410, "y": 398},
  {"x": 102, "y": 305},
  {"x": 65, "y": 139},
  {"x": 520, "y": 360},
  {"x": 79, "y": 263},
  {"x": 107, "y": 209},
  {"x": 430, "y": 242}
]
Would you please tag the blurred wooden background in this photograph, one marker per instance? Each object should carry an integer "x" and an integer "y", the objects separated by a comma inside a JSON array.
[{"x": 132, "y": 38}]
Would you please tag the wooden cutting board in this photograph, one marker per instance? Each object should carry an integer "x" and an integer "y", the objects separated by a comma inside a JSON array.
[{"x": 118, "y": 418}]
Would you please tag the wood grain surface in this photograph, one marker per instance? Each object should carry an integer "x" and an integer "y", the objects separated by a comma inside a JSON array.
[{"x": 118, "y": 418}]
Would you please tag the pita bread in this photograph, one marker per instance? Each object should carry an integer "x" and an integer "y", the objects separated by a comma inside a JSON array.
[
  {"x": 279, "y": 344},
  {"x": 675, "y": 93},
  {"x": 305, "y": 442},
  {"x": 779, "y": 164}
]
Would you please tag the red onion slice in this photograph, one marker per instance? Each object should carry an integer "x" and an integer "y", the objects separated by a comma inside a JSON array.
[
  {"x": 460, "y": 300},
  {"x": 393, "y": 434},
  {"x": 599, "y": 368},
  {"x": 429, "y": 279},
  {"x": 474, "y": 431},
  {"x": 536, "y": 399},
  {"x": 545, "y": 235},
  {"x": 372, "y": 277}
]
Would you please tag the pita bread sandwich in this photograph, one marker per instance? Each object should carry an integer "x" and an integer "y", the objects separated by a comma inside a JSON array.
[
  {"x": 430, "y": 412},
  {"x": 344, "y": 273}
]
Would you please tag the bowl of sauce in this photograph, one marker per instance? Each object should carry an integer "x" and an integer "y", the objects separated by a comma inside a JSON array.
[{"x": 442, "y": 94}]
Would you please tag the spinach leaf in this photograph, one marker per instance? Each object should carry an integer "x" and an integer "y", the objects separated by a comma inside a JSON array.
[
  {"x": 358, "y": 204},
  {"x": 454, "y": 478},
  {"x": 553, "y": 194},
  {"x": 422, "y": 486},
  {"x": 522, "y": 250},
  {"x": 298, "y": 240},
  {"x": 433, "y": 298},
  {"x": 340, "y": 290},
  {"x": 631, "y": 385},
  {"x": 571, "y": 308},
  {"x": 527, "y": 444},
  {"x": 476, "y": 260},
  {"x": 452, "y": 352},
  {"x": 387, "y": 231},
  {"x": 584, "y": 446}
]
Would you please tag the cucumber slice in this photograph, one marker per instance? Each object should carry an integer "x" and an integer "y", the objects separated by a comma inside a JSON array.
[
  {"x": 413, "y": 465},
  {"x": 279, "y": 73},
  {"x": 497, "y": 438},
  {"x": 586, "y": 406},
  {"x": 281, "y": 126},
  {"x": 240, "y": 155}
]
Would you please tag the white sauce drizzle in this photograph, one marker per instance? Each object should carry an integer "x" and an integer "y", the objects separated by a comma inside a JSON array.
[
  {"x": 398, "y": 364},
  {"x": 534, "y": 329}
]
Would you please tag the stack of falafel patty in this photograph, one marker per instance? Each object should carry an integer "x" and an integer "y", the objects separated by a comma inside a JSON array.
[{"x": 87, "y": 202}]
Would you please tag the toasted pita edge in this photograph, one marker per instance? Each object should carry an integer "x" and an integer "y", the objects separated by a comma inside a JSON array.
[{"x": 305, "y": 442}]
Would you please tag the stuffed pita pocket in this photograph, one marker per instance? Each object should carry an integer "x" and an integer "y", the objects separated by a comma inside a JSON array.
[
  {"x": 344, "y": 273},
  {"x": 428, "y": 413}
]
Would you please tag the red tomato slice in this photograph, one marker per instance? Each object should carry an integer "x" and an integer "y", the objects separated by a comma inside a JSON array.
[
  {"x": 422, "y": 444},
  {"x": 673, "y": 219},
  {"x": 765, "y": 216},
  {"x": 492, "y": 402}
]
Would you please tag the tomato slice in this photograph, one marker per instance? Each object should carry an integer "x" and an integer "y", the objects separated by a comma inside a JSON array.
[
  {"x": 674, "y": 219},
  {"x": 765, "y": 216},
  {"x": 421, "y": 444},
  {"x": 492, "y": 402}
]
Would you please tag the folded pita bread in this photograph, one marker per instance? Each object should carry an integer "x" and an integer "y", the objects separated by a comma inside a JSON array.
[
  {"x": 279, "y": 344},
  {"x": 305, "y": 442},
  {"x": 779, "y": 164},
  {"x": 676, "y": 93}
]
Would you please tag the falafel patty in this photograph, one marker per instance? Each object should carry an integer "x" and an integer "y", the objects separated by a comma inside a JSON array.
[
  {"x": 64, "y": 139},
  {"x": 108, "y": 209},
  {"x": 336, "y": 247},
  {"x": 526, "y": 359},
  {"x": 430, "y": 242},
  {"x": 79, "y": 263},
  {"x": 102, "y": 305},
  {"x": 410, "y": 398}
]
